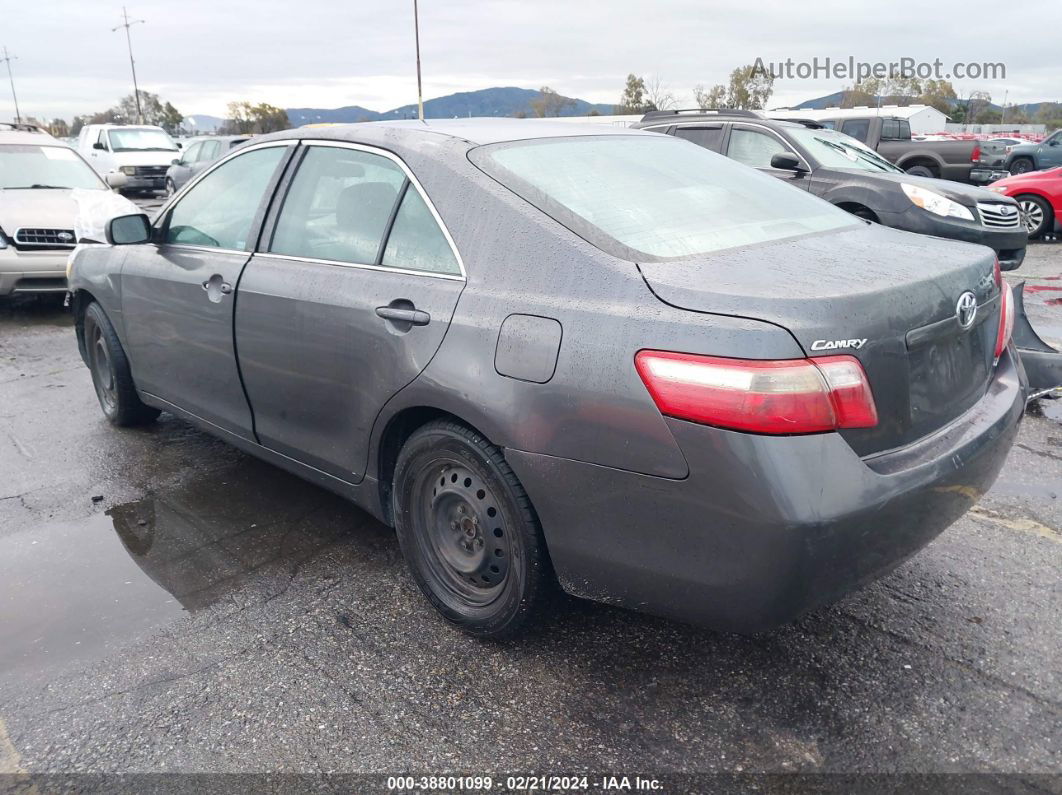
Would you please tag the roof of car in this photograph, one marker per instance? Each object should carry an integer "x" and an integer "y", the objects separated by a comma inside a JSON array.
[
  {"x": 21, "y": 137},
  {"x": 650, "y": 120},
  {"x": 474, "y": 131}
]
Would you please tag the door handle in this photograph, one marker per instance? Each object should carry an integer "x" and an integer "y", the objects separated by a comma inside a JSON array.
[
  {"x": 224, "y": 287},
  {"x": 415, "y": 317}
]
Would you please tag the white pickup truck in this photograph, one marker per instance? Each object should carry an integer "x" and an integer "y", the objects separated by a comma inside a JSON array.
[{"x": 130, "y": 158}]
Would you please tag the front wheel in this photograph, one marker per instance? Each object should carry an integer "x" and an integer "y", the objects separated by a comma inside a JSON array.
[
  {"x": 1021, "y": 165},
  {"x": 110, "y": 372},
  {"x": 1036, "y": 214},
  {"x": 468, "y": 531}
]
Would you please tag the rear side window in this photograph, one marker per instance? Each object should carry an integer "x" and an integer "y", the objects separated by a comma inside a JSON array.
[
  {"x": 754, "y": 148},
  {"x": 890, "y": 128},
  {"x": 416, "y": 242},
  {"x": 218, "y": 211},
  {"x": 708, "y": 137},
  {"x": 338, "y": 206},
  {"x": 209, "y": 151},
  {"x": 857, "y": 128},
  {"x": 650, "y": 197}
]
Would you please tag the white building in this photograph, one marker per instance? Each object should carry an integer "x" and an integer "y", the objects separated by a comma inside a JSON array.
[{"x": 922, "y": 118}]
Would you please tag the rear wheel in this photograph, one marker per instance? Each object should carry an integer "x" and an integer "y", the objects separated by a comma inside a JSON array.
[
  {"x": 110, "y": 372},
  {"x": 468, "y": 532},
  {"x": 921, "y": 171},
  {"x": 1021, "y": 165},
  {"x": 1036, "y": 213}
]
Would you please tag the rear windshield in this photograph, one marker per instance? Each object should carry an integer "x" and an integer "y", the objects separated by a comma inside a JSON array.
[{"x": 653, "y": 197}]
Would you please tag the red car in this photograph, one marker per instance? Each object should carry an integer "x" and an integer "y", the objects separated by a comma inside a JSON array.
[{"x": 1039, "y": 194}]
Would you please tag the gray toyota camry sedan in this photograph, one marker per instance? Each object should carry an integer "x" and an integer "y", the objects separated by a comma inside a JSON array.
[{"x": 568, "y": 356}]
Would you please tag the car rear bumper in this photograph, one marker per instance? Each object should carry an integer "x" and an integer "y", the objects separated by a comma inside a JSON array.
[
  {"x": 1009, "y": 244},
  {"x": 983, "y": 175},
  {"x": 764, "y": 528},
  {"x": 32, "y": 272}
]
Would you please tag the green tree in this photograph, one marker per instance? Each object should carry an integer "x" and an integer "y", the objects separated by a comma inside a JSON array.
[
  {"x": 550, "y": 103},
  {"x": 977, "y": 104},
  {"x": 939, "y": 94},
  {"x": 711, "y": 98},
  {"x": 749, "y": 88},
  {"x": 633, "y": 98},
  {"x": 59, "y": 128},
  {"x": 864, "y": 93},
  {"x": 245, "y": 118}
]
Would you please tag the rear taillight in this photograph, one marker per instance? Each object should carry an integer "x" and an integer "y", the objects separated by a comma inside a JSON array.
[
  {"x": 775, "y": 397},
  {"x": 1006, "y": 319},
  {"x": 975, "y": 155}
]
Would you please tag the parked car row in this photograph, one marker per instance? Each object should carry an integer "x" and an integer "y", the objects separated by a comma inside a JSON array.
[
  {"x": 854, "y": 177},
  {"x": 594, "y": 358}
]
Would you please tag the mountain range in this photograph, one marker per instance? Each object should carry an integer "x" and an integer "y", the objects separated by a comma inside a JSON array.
[
  {"x": 497, "y": 101},
  {"x": 834, "y": 100}
]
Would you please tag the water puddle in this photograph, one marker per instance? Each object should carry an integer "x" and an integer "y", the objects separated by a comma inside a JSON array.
[{"x": 76, "y": 592}]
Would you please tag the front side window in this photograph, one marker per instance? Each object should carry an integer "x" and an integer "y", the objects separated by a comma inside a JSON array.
[
  {"x": 837, "y": 150},
  {"x": 650, "y": 197},
  {"x": 708, "y": 137},
  {"x": 191, "y": 154},
  {"x": 338, "y": 206},
  {"x": 754, "y": 148},
  {"x": 219, "y": 210},
  {"x": 136, "y": 139},
  {"x": 209, "y": 151},
  {"x": 42, "y": 167}
]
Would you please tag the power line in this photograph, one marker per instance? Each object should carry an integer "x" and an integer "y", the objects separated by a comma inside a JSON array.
[
  {"x": 128, "y": 23},
  {"x": 8, "y": 59}
]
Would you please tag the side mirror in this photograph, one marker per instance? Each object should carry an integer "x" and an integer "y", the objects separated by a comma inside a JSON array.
[
  {"x": 128, "y": 230},
  {"x": 98, "y": 145},
  {"x": 179, "y": 144},
  {"x": 116, "y": 179},
  {"x": 787, "y": 161},
  {"x": 1053, "y": 142},
  {"x": 175, "y": 162}
]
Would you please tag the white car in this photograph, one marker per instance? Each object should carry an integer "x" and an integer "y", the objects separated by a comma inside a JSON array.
[
  {"x": 130, "y": 158},
  {"x": 49, "y": 200}
]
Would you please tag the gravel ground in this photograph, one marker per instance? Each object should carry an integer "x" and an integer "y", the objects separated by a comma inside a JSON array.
[{"x": 170, "y": 604}]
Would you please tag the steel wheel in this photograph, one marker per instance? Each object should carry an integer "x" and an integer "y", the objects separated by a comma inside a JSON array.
[
  {"x": 468, "y": 547},
  {"x": 102, "y": 368},
  {"x": 468, "y": 531},
  {"x": 1021, "y": 166}
]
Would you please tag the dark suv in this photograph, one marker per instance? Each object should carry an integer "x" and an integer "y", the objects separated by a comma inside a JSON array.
[{"x": 852, "y": 176}]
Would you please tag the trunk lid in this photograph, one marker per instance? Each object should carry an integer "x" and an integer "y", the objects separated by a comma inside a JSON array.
[{"x": 893, "y": 293}]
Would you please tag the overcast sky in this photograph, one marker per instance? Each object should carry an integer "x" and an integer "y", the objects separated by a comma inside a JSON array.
[{"x": 326, "y": 53}]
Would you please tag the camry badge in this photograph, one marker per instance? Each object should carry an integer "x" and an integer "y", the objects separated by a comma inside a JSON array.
[{"x": 966, "y": 309}]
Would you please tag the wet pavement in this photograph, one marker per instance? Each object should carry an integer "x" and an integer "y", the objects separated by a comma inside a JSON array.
[{"x": 169, "y": 603}]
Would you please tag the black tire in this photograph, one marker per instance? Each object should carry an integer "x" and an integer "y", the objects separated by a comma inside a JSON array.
[
  {"x": 110, "y": 372},
  {"x": 1021, "y": 165},
  {"x": 468, "y": 532},
  {"x": 920, "y": 171},
  {"x": 1036, "y": 214}
]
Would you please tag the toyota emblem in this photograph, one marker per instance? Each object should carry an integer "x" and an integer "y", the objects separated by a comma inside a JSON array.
[{"x": 966, "y": 309}]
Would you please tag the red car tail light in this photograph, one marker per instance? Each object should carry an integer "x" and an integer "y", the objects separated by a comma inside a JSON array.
[
  {"x": 773, "y": 397},
  {"x": 975, "y": 155},
  {"x": 1006, "y": 319}
]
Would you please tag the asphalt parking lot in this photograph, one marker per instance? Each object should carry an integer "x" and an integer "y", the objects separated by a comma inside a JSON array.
[{"x": 171, "y": 604}]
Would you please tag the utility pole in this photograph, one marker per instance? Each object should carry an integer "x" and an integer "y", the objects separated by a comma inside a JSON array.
[
  {"x": 8, "y": 59},
  {"x": 128, "y": 23},
  {"x": 1003, "y": 113},
  {"x": 416, "y": 33}
]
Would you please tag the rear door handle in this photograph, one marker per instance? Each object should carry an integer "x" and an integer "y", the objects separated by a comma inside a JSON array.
[{"x": 414, "y": 317}]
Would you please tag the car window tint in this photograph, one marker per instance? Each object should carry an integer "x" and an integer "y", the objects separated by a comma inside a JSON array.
[
  {"x": 754, "y": 148},
  {"x": 829, "y": 125},
  {"x": 218, "y": 211},
  {"x": 905, "y": 129},
  {"x": 338, "y": 206},
  {"x": 890, "y": 128},
  {"x": 857, "y": 128},
  {"x": 191, "y": 153},
  {"x": 209, "y": 151},
  {"x": 708, "y": 137},
  {"x": 416, "y": 242}
]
